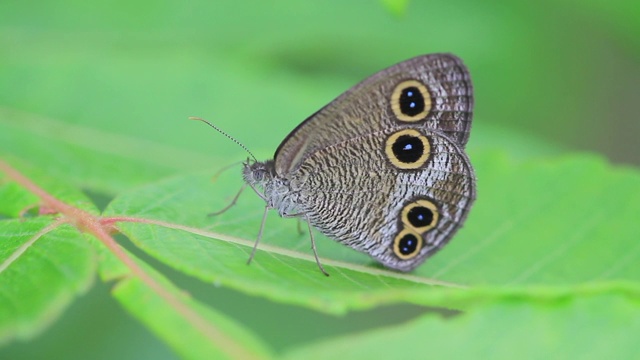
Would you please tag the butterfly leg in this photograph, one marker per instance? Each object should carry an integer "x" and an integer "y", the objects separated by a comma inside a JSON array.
[
  {"x": 255, "y": 246},
  {"x": 230, "y": 205},
  {"x": 313, "y": 247},
  {"x": 313, "y": 242}
]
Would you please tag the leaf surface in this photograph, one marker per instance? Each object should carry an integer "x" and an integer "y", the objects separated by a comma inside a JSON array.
[
  {"x": 562, "y": 227},
  {"x": 599, "y": 327}
]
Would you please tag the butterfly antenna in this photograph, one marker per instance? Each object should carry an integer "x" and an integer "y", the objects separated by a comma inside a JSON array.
[{"x": 225, "y": 134}]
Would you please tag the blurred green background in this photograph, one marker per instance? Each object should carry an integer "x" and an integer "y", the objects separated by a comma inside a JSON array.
[{"x": 549, "y": 77}]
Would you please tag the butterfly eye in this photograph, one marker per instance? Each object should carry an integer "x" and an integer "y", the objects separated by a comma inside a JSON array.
[
  {"x": 422, "y": 215},
  {"x": 408, "y": 149},
  {"x": 411, "y": 101},
  {"x": 407, "y": 244}
]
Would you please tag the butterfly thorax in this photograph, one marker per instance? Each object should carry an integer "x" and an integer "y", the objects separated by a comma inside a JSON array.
[{"x": 276, "y": 190}]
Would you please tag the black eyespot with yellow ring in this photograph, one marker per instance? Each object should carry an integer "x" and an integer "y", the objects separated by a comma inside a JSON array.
[
  {"x": 411, "y": 101},
  {"x": 408, "y": 149},
  {"x": 407, "y": 244},
  {"x": 422, "y": 215}
]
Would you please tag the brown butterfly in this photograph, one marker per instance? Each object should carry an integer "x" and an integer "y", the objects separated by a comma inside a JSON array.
[{"x": 382, "y": 168}]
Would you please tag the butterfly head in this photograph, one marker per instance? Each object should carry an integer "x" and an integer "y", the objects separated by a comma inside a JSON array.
[{"x": 258, "y": 173}]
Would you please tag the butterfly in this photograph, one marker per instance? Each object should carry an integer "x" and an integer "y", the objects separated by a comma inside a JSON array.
[{"x": 382, "y": 168}]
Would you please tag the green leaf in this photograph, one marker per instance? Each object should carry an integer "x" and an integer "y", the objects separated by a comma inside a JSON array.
[
  {"x": 96, "y": 95},
  {"x": 192, "y": 329},
  {"x": 231, "y": 340},
  {"x": 535, "y": 225},
  {"x": 42, "y": 182},
  {"x": 45, "y": 261},
  {"x": 42, "y": 268},
  {"x": 552, "y": 222},
  {"x": 599, "y": 327},
  {"x": 15, "y": 200}
]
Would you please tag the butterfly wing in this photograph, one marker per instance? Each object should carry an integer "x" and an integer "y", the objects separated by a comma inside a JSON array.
[
  {"x": 364, "y": 194},
  {"x": 432, "y": 92}
]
